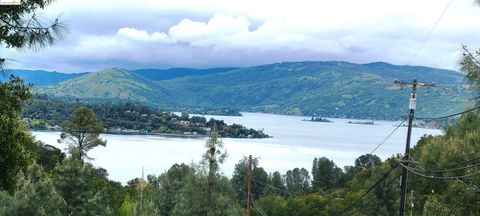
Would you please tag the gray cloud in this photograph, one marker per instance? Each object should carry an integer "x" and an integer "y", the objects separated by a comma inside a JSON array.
[{"x": 210, "y": 34}]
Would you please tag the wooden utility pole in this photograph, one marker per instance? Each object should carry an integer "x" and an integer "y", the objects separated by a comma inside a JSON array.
[
  {"x": 249, "y": 187},
  {"x": 412, "y": 105}
]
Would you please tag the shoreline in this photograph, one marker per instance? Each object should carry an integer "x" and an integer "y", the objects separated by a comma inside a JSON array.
[{"x": 154, "y": 134}]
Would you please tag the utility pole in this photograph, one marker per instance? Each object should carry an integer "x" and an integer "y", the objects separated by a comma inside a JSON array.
[
  {"x": 412, "y": 204},
  {"x": 249, "y": 189},
  {"x": 412, "y": 105}
]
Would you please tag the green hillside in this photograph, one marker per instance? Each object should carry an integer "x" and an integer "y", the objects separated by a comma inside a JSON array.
[
  {"x": 110, "y": 84},
  {"x": 335, "y": 89},
  {"x": 331, "y": 89}
]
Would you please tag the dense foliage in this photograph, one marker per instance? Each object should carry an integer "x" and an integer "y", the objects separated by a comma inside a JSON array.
[
  {"x": 43, "y": 112},
  {"x": 13, "y": 156}
]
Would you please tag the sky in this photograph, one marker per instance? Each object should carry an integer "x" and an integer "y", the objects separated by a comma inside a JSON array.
[{"x": 226, "y": 33}]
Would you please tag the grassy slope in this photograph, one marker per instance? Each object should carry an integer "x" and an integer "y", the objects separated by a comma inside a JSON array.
[
  {"x": 322, "y": 88},
  {"x": 113, "y": 83}
]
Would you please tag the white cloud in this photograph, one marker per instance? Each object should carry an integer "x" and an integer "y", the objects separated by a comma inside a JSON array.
[{"x": 209, "y": 33}]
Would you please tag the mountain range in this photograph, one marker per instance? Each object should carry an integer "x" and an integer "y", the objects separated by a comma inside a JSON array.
[{"x": 328, "y": 89}]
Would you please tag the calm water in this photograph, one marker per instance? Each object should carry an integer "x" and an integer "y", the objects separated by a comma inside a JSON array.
[{"x": 295, "y": 144}]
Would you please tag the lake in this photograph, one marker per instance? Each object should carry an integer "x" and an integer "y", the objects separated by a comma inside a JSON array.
[{"x": 295, "y": 143}]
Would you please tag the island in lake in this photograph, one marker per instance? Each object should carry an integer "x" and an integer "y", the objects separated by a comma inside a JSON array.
[
  {"x": 44, "y": 113},
  {"x": 362, "y": 122},
  {"x": 318, "y": 119}
]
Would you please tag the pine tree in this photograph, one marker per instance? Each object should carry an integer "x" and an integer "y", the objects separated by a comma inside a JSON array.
[
  {"x": 75, "y": 182},
  {"x": 35, "y": 195},
  {"x": 13, "y": 157},
  {"x": 81, "y": 133}
]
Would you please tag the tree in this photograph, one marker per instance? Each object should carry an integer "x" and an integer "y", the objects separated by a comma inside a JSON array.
[
  {"x": 13, "y": 156},
  {"x": 21, "y": 28},
  {"x": 278, "y": 185},
  {"x": 367, "y": 161},
  {"x": 35, "y": 195},
  {"x": 44, "y": 155},
  {"x": 191, "y": 200},
  {"x": 326, "y": 175},
  {"x": 240, "y": 180},
  {"x": 171, "y": 184},
  {"x": 75, "y": 181},
  {"x": 297, "y": 181},
  {"x": 215, "y": 155},
  {"x": 81, "y": 133}
]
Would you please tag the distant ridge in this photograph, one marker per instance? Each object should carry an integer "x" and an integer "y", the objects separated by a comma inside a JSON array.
[
  {"x": 40, "y": 77},
  {"x": 160, "y": 74},
  {"x": 327, "y": 89}
]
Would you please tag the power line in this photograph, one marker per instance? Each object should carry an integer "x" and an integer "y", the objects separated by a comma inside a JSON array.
[
  {"x": 472, "y": 187},
  {"x": 429, "y": 33},
  {"x": 381, "y": 143},
  {"x": 451, "y": 115},
  {"x": 371, "y": 195},
  {"x": 450, "y": 170},
  {"x": 453, "y": 165},
  {"x": 257, "y": 206},
  {"x": 438, "y": 177},
  {"x": 370, "y": 189},
  {"x": 281, "y": 190}
]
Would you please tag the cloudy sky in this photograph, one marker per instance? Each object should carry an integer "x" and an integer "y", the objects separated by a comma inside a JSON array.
[{"x": 218, "y": 33}]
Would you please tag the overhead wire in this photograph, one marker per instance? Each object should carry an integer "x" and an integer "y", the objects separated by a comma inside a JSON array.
[
  {"x": 430, "y": 32},
  {"x": 366, "y": 205},
  {"x": 438, "y": 177},
  {"x": 257, "y": 206},
  {"x": 448, "y": 169},
  {"x": 448, "y": 116},
  {"x": 370, "y": 189},
  {"x": 278, "y": 189},
  {"x": 386, "y": 138}
]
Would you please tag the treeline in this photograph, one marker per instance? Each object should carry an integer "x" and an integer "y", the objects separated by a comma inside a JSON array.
[
  {"x": 43, "y": 112},
  {"x": 38, "y": 179}
]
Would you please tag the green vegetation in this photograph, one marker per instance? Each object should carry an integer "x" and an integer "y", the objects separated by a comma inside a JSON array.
[
  {"x": 44, "y": 113},
  {"x": 13, "y": 156},
  {"x": 330, "y": 89},
  {"x": 114, "y": 84},
  {"x": 318, "y": 119},
  {"x": 210, "y": 111},
  {"x": 75, "y": 187},
  {"x": 81, "y": 133}
]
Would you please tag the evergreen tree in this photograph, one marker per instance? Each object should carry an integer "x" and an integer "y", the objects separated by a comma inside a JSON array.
[
  {"x": 326, "y": 175},
  {"x": 20, "y": 27},
  {"x": 81, "y": 133},
  {"x": 75, "y": 182},
  {"x": 297, "y": 181},
  {"x": 171, "y": 184},
  {"x": 13, "y": 157},
  {"x": 213, "y": 157},
  {"x": 35, "y": 195},
  {"x": 240, "y": 180},
  {"x": 192, "y": 202}
]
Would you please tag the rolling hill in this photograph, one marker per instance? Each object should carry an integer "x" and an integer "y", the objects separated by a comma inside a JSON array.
[
  {"x": 333, "y": 89},
  {"x": 111, "y": 84}
]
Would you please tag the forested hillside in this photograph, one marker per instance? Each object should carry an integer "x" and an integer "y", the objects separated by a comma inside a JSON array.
[{"x": 331, "y": 89}]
